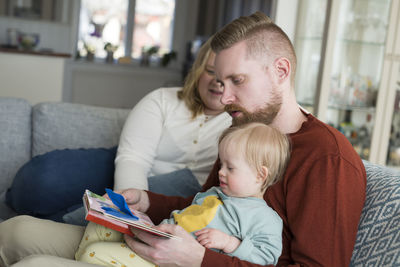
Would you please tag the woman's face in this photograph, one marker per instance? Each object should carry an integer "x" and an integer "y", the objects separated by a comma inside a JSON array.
[{"x": 209, "y": 90}]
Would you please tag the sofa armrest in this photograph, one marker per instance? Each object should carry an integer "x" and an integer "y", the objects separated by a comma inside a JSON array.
[
  {"x": 378, "y": 236},
  {"x": 15, "y": 138}
]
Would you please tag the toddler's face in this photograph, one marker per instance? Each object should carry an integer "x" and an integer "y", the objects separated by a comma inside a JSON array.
[{"x": 236, "y": 177}]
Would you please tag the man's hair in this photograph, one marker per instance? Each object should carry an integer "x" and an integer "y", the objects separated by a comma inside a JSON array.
[
  {"x": 264, "y": 39},
  {"x": 190, "y": 93},
  {"x": 260, "y": 145}
]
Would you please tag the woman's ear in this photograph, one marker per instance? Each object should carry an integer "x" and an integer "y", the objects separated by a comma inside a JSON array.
[{"x": 263, "y": 174}]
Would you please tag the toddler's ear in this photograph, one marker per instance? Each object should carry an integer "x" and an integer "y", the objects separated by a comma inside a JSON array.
[{"x": 263, "y": 174}]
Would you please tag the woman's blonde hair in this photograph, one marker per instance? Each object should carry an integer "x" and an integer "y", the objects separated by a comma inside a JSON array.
[
  {"x": 261, "y": 145},
  {"x": 189, "y": 93}
]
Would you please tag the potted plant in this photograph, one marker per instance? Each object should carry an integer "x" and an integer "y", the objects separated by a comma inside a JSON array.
[
  {"x": 90, "y": 51},
  {"x": 110, "y": 49},
  {"x": 167, "y": 57},
  {"x": 147, "y": 52}
]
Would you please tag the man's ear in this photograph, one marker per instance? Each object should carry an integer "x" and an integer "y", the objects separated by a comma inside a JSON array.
[
  {"x": 263, "y": 174},
  {"x": 282, "y": 69}
]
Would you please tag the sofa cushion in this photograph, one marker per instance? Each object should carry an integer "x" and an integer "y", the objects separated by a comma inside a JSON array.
[
  {"x": 67, "y": 125},
  {"x": 15, "y": 138},
  {"x": 378, "y": 236},
  {"x": 50, "y": 184}
]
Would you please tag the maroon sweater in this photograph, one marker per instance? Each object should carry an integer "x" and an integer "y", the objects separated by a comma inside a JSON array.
[{"x": 319, "y": 200}]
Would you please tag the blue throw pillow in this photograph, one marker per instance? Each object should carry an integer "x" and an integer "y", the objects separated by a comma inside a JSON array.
[{"x": 50, "y": 185}]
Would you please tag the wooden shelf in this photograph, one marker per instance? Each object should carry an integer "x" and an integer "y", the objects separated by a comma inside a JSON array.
[{"x": 33, "y": 52}]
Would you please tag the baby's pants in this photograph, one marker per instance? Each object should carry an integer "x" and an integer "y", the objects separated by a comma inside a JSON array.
[{"x": 106, "y": 247}]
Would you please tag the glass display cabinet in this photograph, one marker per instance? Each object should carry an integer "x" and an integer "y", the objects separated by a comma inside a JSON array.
[
  {"x": 308, "y": 43},
  {"x": 389, "y": 146},
  {"x": 345, "y": 73}
]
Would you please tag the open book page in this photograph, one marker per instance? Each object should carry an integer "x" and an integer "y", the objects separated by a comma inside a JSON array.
[{"x": 103, "y": 211}]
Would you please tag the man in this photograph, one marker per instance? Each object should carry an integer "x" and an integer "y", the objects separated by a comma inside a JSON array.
[
  {"x": 323, "y": 190},
  {"x": 319, "y": 199}
]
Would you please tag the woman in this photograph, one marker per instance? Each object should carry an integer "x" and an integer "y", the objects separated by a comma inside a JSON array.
[{"x": 174, "y": 129}]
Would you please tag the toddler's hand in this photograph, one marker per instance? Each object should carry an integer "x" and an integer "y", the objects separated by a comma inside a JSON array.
[{"x": 213, "y": 238}]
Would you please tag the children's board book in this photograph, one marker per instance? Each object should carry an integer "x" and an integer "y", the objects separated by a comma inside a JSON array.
[{"x": 114, "y": 213}]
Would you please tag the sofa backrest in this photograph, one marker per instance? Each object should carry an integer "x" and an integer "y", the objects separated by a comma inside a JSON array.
[
  {"x": 67, "y": 125},
  {"x": 15, "y": 138},
  {"x": 26, "y": 132},
  {"x": 378, "y": 236}
]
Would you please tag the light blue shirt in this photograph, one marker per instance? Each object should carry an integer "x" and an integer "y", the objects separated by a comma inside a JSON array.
[{"x": 249, "y": 219}]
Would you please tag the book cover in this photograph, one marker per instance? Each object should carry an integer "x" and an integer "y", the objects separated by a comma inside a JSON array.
[{"x": 115, "y": 214}]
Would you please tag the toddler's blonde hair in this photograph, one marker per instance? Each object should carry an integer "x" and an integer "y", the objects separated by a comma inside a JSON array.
[{"x": 261, "y": 145}]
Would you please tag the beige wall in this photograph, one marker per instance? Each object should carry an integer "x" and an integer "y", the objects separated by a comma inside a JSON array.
[
  {"x": 286, "y": 16},
  {"x": 34, "y": 78},
  {"x": 120, "y": 86}
]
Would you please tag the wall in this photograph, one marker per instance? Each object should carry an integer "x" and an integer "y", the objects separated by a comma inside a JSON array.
[
  {"x": 111, "y": 85},
  {"x": 35, "y": 78},
  {"x": 286, "y": 16}
]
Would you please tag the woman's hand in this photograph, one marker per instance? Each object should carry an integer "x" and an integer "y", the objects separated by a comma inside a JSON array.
[{"x": 135, "y": 198}]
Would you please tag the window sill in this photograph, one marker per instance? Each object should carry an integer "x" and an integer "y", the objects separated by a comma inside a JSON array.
[{"x": 100, "y": 63}]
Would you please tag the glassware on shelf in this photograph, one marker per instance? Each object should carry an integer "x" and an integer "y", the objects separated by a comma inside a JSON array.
[
  {"x": 358, "y": 132},
  {"x": 352, "y": 89}
]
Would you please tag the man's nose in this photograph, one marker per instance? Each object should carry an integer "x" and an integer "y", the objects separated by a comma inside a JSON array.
[{"x": 227, "y": 96}]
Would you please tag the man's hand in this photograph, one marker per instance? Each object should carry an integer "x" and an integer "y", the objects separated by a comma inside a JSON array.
[
  {"x": 213, "y": 238},
  {"x": 162, "y": 251},
  {"x": 135, "y": 198}
]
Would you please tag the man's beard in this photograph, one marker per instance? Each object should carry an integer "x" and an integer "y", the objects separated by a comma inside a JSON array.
[{"x": 264, "y": 115}]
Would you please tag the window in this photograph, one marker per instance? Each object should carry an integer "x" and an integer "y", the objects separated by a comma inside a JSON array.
[
  {"x": 153, "y": 25},
  {"x": 128, "y": 26}
]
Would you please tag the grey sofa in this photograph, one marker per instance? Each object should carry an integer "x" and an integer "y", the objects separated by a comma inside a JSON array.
[{"x": 27, "y": 131}]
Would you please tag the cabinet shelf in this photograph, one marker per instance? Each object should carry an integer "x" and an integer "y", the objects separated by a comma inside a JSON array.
[
  {"x": 359, "y": 42},
  {"x": 352, "y": 108},
  {"x": 305, "y": 103},
  {"x": 309, "y": 38}
]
